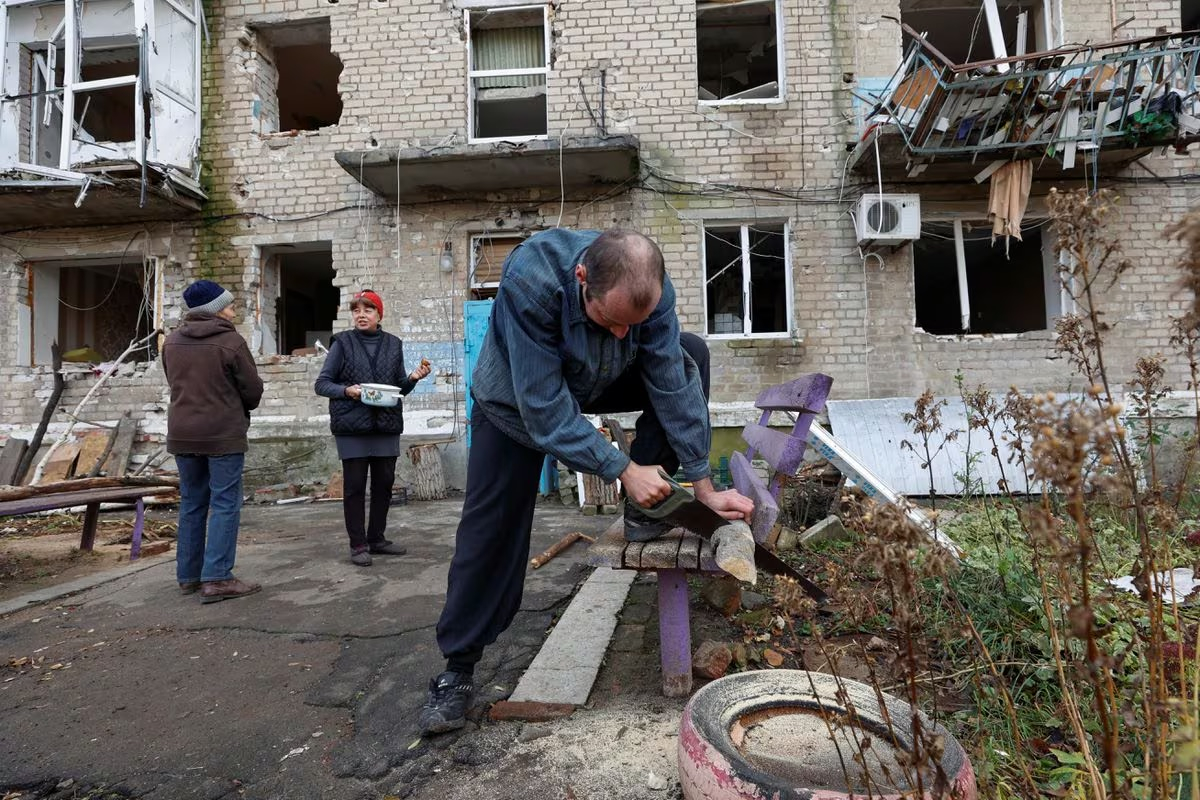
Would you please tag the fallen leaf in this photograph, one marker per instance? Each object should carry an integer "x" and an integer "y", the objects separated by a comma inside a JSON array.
[
  {"x": 295, "y": 751},
  {"x": 416, "y": 742},
  {"x": 772, "y": 658}
]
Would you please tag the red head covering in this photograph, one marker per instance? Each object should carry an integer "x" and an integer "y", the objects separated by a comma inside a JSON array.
[{"x": 369, "y": 297}]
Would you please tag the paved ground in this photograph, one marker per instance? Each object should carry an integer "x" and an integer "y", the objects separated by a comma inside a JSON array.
[{"x": 307, "y": 690}]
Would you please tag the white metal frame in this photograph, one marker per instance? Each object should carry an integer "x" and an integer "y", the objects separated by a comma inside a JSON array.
[
  {"x": 744, "y": 239},
  {"x": 473, "y": 73},
  {"x": 780, "y": 68},
  {"x": 1058, "y": 298}
]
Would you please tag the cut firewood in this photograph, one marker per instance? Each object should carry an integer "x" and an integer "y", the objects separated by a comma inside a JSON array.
[
  {"x": 734, "y": 550},
  {"x": 556, "y": 548},
  {"x": 22, "y": 492}
]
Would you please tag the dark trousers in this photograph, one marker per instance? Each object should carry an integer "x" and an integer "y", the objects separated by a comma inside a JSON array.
[
  {"x": 491, "y": 551},
  {"x": 354, "y": 496}
]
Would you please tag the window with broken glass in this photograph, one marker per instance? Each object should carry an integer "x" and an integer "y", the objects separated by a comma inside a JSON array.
[
  {"x": 967, "y": 283},
  {"x": 488, "y": 251},
  {"x": 747, "y": 279},
  {"x": 984, "y": 30},
  {"x": 738, "y": 57},
  {"x": 508, "y": 55},
  {"x": 126, "y": 74},
  {"x": 296, "y": 77}
]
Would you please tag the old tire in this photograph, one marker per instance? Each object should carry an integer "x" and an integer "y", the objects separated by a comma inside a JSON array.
[{"x": 713, "y": 767}]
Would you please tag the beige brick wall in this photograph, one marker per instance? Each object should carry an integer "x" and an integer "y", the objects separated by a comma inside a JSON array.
[{"x": 403, "y": 84}]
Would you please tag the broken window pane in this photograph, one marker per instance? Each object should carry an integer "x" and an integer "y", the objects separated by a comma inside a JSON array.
[
  {"x": 298, "y": 77},
  {"x": 301, "y": 300},
  {"x": 1005, "y": 295},
  {"x": 508, "y": 73},
  {"x": 960, "y": 31},
  {"x": 746, "y": 263},
  {"x": 737, "y": 52},
  {"x": 175, "y": 40}
]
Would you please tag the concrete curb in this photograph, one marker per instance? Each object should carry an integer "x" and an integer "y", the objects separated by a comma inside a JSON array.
[
  {"x": 81, "y": 584},
  {"x": 565, "y": 668}
]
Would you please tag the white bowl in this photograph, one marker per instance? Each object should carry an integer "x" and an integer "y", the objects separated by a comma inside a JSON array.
[{"x": 379, "y": 394}]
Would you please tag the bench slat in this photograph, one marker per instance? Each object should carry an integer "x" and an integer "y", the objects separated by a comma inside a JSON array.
[
  {"x": 609, "y": 548},
  {"x": 766, "y": 510},
  {"x": 806, "y": 393},
  {"x": 46, "y": 502},
  {"x": 663, "y": 553},
  {"x": 633, "y": 555},
  {"x": 782, "y": 451}
]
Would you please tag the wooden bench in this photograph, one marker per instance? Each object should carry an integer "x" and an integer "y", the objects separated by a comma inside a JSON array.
[
  {"x": 91, "y": 500},
  {"x": 672, "y": 556}
]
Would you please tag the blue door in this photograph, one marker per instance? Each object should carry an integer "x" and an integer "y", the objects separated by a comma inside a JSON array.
[{"x": 476, "y": 315}]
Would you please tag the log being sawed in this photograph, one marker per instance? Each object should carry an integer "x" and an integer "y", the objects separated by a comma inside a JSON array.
[
  {"x": 733, "y": 550},
  {"x": 556, "y": 548}
]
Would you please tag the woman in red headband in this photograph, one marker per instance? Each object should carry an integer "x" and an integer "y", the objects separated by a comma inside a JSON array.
[{"x": 368, "y": 437}]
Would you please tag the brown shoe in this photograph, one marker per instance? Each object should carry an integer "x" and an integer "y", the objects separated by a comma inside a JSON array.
[
  {"x": 189, "y": 587},
  {"x": 216, "y": 591}
]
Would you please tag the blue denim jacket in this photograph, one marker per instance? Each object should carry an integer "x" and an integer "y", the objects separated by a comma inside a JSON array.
[{"x": 543, "y": 360}]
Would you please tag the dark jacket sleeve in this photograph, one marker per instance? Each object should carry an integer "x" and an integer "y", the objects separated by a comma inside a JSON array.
[
  {"x": 329, "y": 381},
  {"x": 245, "y": 376}
]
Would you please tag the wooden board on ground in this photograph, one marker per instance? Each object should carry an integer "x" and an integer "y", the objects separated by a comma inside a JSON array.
[
  {"x": 91, "y": 449},
  {"x": 62, "y": 463},
  {"x": 117, "y": 463},
  {"x": 10, "y": 456}
]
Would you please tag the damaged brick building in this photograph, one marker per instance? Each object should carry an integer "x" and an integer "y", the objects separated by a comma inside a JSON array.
[{"x": 817, "y": 174}]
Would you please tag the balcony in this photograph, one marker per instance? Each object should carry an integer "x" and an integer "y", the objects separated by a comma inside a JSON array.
[
  {"x": 476, "y": 171},
  {"x": 1085, "y": 109}
]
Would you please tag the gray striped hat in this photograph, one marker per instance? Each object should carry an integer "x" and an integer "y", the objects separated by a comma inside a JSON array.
[{"x": 206, "y": 297}]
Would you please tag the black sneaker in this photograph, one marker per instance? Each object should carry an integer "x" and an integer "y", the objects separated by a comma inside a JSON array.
[
  {"x": 641, "y": 528},
  {"x": 446, "y": 708},
  {"x": 388, "y": 549}
]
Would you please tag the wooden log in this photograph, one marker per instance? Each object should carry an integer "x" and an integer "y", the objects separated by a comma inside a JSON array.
[
  {"x": 556, "y": 548},
  {"x": 80, "y": 484},
  {"x": 733, "y": 544},
  {"x": 60, "y": 385},
  {"x": 428, "y": 481}
]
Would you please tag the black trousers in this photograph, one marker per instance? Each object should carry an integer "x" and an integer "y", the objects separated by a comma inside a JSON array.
[
  {"x": 354, "y": 495},
  {"x": 491, "y": 552}
]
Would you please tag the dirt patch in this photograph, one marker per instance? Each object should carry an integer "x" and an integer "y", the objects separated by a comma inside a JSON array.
[{"x": 39, "y": 552}]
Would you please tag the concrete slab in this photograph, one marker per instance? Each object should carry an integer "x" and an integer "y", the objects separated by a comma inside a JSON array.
[{"x": 566, "y": 666}]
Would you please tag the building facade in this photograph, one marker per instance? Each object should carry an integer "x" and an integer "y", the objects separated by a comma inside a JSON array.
[{"x": 300, "y": 150}]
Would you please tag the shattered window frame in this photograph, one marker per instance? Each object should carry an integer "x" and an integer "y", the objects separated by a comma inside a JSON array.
[
  {"x": 470, "y": 17},
  {"x": 740, "y": 97},
  {"x": 1057, "y": 298},
  {"x": 744, "y": 261}
]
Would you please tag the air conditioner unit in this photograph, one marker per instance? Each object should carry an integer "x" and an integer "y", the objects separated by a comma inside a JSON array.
[{"x": 888, "y": 218}]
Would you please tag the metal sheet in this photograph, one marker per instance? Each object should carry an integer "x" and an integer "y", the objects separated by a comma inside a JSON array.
[{"x": 873, "y": 431}]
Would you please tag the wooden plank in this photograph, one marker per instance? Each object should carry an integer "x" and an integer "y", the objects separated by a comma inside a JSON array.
[
  {"x": 47, "y": 502},
  {"x": 689, "y": 552},
  {"x": 806, "y": 393},
  {"x": 633, "y": 555},
  {"x": 663, "y": 552},
  {"x": 10, "y": 457},
  {"x": 117, "y": 463},
  {"x": 609, "y": 549},
  {"x": 91, "y": 449},
  {"x": 782, "y": 451},
  {"x": 62, "y": 465},
  {"x": 766, "y": 509}
]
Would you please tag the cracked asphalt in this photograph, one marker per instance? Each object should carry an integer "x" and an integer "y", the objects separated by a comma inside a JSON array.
[{"x": 309, "y": 689}]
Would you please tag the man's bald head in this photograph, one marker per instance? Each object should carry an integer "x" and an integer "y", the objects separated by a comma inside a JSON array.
[{"x": 628, "y": 259}]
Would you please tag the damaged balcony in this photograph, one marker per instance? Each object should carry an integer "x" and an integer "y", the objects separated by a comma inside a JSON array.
[
  {"x": 1095, "y": 109},
  {"x": 99, "y": 111},
  {"x": 473, "y": 170}
]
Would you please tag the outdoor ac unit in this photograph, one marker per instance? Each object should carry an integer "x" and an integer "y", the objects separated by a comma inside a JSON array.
[{"x": 888, "y": 218}]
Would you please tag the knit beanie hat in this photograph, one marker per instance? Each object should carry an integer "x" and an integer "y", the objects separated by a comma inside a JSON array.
[
  {"x": 366, "y": 295},
  {"x": 206, "y": 297}
]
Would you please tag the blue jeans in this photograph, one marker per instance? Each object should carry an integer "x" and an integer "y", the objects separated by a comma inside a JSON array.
[{"x": 210, "y": 507}]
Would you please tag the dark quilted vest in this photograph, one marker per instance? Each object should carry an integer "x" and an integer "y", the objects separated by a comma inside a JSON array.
[{"x": 348, "y": 416}]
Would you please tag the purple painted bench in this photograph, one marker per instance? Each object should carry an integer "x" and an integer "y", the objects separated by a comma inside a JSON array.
[
  {"x": 90, "y": 499},
  {"x": 679, "y": 552}
]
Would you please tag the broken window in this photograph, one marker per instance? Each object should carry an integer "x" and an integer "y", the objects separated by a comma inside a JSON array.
[
  {"x": 966, "y": 283},
  {"x": 488, "y": 251},
  {"x": 982, "y": 30},
  {"x": 747, "y": 276},
  {"x": 89, "y": 68},
  {"x": 300, "y": 302},
  {"x": 737, "y": 51},
  {"x": 93, "y": 308},
  {"x": 508, "y": 51},
  {"x": 297, "y": 77},
  {"x": 1189, "y": 15}
]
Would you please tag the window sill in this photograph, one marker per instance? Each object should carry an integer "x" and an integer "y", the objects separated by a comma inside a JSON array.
[
  {"x": 771, "y": 103},
  {"x": 1044, "y": 334},
  {"x": 514, "y": 139},
  {"x": 750, "y": 339}
]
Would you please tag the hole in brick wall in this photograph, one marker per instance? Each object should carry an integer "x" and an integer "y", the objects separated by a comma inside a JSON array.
[
  {"x": 298, "y": 77},
  {"x": 1005, "y": 295},
  {"x": 960, "y": 31},
  {"x": 737, "y": 52},
  {"x": 300, "y": 301}
]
